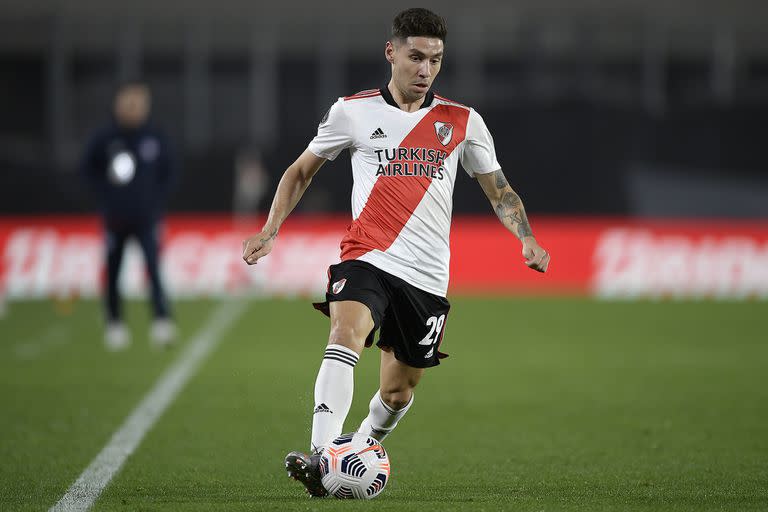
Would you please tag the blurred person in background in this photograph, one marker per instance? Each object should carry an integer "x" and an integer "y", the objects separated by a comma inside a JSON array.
[
  {"x": 129, "y": 167},
  {"x": 251, "y": 183}
]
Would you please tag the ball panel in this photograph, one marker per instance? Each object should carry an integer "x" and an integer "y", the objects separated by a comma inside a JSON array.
[
  {"x": 352, "y": 465},
  {"x": 377, "y": 486},
  {"x": 343, "y": 439},
  {"x": 344, "y": 493}
]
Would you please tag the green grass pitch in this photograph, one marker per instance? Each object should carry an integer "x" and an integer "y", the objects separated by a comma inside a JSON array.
[{"x": 544, "y": 404}]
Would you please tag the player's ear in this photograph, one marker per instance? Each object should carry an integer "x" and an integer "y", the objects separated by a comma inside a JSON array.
[{"x": 389, "y": 52}]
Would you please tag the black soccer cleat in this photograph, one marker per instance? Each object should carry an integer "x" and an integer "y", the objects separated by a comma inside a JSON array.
[{"x": 306, "y": 469}]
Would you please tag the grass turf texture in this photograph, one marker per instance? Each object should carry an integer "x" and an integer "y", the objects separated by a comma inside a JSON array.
[{"x": 544, "y": 404}]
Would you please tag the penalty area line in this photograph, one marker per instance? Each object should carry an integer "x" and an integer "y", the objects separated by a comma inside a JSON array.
[{"x": 85, "y": 491}]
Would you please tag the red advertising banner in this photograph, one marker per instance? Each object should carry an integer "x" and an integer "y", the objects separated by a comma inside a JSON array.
[
  {"x": 618, "y": 258},
  {"x": 611, "y": 258}
]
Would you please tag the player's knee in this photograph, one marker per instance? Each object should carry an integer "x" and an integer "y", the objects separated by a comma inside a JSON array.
[
  {"x": 396, "y": 398},
  {"x": 348, "y": 336}
]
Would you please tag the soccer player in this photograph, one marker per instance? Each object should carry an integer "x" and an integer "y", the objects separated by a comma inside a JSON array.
[{"x": 405, "y": 143}]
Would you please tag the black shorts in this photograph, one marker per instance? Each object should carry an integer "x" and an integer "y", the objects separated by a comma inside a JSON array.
[{"x": 410, "y": 321}]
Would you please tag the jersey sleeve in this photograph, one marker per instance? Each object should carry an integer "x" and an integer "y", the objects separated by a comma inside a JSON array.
[
  {"x": 479, "y": 153},
  {"x": 334, "y": 133}
]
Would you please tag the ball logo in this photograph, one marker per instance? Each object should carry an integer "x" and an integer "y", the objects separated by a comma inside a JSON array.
[
  {"x": 444, "y": 132},
  {"x": 338, "y": 286}
]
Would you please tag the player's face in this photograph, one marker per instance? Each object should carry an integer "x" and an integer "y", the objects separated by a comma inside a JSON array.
[
  {"x": 132, "y": 106},
  {"x": 415, "y": 63}
]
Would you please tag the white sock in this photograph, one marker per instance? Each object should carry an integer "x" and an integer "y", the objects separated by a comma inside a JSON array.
[
  {"x": 333, "y": 394},
  {"x": 382, "y": 419}
]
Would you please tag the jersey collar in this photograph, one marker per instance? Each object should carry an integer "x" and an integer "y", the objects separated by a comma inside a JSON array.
[{"x": 391, "y": 101}]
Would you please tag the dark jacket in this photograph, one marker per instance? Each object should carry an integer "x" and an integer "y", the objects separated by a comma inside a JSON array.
[{"x": 131, "y": 171}]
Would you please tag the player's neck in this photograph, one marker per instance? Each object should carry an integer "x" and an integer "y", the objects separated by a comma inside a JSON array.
[{"x": 404, "y": 103}]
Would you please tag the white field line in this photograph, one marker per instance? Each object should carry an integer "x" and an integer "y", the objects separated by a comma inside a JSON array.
[
  {"x": 52, "y": 336},
  {"x": 87, "y": 488}
]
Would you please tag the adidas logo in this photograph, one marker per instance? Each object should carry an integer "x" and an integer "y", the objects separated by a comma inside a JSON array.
[
  {"x": 378, "y": 134},
  {"x": 322, "y": 408}
]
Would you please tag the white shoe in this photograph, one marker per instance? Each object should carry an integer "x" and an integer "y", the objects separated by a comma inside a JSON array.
[
  {"x": 162, "y": 333},
  {"x": 117, "y": 337}
]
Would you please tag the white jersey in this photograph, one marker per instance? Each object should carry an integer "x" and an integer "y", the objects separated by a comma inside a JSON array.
[{"x": 404, "y": 168}]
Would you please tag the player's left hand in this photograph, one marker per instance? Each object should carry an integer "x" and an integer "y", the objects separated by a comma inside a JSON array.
[{"x": 535, "y": 255}]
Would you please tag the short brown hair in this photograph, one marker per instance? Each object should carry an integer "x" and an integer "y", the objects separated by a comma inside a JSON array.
[{"x": 418, "y": 22}]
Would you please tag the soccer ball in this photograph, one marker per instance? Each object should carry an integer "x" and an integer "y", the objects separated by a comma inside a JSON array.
[{"x": 354, "y": 466}]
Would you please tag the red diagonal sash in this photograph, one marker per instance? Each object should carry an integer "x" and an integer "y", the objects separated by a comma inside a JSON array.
[{"x": 393, "y": 199}]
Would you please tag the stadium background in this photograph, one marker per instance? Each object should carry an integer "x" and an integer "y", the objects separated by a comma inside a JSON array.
[{"x": 634, "y": 133}]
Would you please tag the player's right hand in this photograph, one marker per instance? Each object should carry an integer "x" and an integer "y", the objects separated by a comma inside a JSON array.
[{"x": 258, "y": 246}]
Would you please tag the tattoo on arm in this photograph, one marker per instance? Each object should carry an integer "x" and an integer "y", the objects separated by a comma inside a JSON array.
[
  {"x": 271, "y": 236},
  {"x": 501, "y": 180},
  {"x": 511, "y": 213}
]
